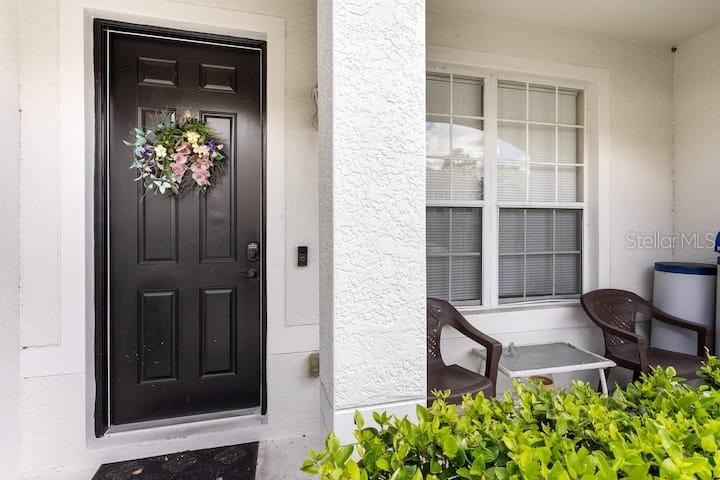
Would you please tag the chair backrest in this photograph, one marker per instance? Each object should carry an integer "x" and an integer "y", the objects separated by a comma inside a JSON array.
[
  {"x": 616, "y": 308},
  {"x": 439, "y": 314}
]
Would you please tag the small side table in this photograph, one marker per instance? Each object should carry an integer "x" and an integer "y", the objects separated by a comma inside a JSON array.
[{"x": 548, "y": 358}]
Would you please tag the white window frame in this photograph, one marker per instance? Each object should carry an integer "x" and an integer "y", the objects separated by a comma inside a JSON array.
[{"x": 595, "y": 84}]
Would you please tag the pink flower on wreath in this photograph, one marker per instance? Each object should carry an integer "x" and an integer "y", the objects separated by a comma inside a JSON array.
[
  {"x": 179, "y": 169},
  {"x": 179, "y": 158},
  {"x": 183, "y": 149},
  {"x": 201, "y": 171}
]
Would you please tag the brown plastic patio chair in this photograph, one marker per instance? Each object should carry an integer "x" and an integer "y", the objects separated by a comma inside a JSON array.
[
  {"x": 458, "y": 380},
  {"x": 615, "y": 312}
]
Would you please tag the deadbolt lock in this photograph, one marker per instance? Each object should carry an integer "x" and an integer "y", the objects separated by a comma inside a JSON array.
[{"x": 253, "y": 252}]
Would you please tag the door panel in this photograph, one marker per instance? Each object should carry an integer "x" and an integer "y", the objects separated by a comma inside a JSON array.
[
  {"x": 218, "y": 331},
  {"x": 185, "y": 326},
  {"x": 217, "y": 212},
  {"x": 158, "y": 335}
]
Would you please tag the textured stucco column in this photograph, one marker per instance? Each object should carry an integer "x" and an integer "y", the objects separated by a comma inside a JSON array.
[
  {"x": 9, "y": 240},
  {"x": 371, "y": 62}
]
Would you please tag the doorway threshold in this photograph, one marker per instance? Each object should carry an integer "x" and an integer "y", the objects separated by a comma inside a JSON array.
[{"x": 240, "y": 414}]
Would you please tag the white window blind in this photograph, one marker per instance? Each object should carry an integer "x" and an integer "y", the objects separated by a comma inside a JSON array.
[
  {"x": 540, "y": 253},
  {"x": 455, "y": 183},
  {"x": 538, "y": 196},
  {"x": 540, "y": 135},
  {"x": 454, "y": 245}
]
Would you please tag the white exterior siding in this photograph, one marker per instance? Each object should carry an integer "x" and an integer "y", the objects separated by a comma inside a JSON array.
[{"x": 697, "y": 169}]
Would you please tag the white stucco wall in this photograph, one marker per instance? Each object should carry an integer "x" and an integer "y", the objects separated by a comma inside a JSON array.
[
  {"x": 9, "y": 239},
  {"x": 697, "y": 143},
  {"x": 57, "y": 380},
  {"x": 640, "y": 153},
  {"x": 373, "y": 205},
  {"x": 40, "y": 218}
]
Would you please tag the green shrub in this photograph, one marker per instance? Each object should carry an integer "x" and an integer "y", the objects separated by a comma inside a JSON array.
[{"x": 657, "y": 427}]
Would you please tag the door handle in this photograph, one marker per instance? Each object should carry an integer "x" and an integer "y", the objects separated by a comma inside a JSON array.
[
  {"x": 253, "y": 252},
  {"x": 251, "y": 273}
]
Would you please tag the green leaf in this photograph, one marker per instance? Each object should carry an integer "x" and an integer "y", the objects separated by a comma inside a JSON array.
[
  {"x": 383, "y": 464},
  {"x": 342, "y": 454},
  {"x": 708, "y": 443},
  {"x": 352, "y": 470},
  {"x": 450, "y": 446},
  {"x": 359, "y": 421},
  {"x": 332, "y": 443},
  {"x": 308, "y": 466}
]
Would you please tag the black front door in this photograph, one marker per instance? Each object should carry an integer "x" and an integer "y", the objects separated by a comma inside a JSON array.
[{"x": 185, "y": 317}]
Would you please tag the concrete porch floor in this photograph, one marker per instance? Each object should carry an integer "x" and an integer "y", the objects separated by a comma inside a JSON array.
[{"x": 277, "y": 460}]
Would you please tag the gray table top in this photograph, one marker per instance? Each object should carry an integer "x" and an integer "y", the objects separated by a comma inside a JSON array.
[{"x": 526, "y": 360}]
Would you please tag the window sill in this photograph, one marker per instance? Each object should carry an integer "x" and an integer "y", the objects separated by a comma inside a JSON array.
[{"x": 514, "y": 307}]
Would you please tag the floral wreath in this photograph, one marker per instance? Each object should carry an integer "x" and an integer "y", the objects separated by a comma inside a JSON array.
[{"x": 162, "y": 157}]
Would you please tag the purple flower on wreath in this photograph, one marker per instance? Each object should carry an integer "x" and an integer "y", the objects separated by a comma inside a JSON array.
[
  {"x": 147, "y": 151},
  {"x": 212, "y": 145},
  {"x": 151, "y": 163}
]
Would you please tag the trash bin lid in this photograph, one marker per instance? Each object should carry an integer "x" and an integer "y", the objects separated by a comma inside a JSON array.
[{"x": 687, "y": 268}]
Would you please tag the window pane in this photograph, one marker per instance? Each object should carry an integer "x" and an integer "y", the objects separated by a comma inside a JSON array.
[
  {"x": 568, "y": 230},
  {"x": 467, "y": 179},
  {"x": 541, "y": 143},
  {"x": 570, "y": 142},
  {"x": 511, "y": 143},
  {"x": 467, "y": 96},
  {"x": 539, "y": 230},
  {"x": 466, "y": 230},
  {"x": 542, "y": 103},
  {"x": 542, "y": 183},
  {"x": 437, "y": 178},
  {"x": 539, "y": 253},
  {"x": 569, "y": 183},
  {"x": 454, "y": 260},
  {"x": 570, "y": 104},
  {"x": 567, "y": 274},
  {"x": 512, "y": 276},
  {"x": 467, "y": 163},
  {"x": 512, "y": 103},
  {"x": 511, "y": 162},
  {"x": 437, "y": 136},
  {"x": 468, "y": 138},
  {"x": 438, "y": 93},
  {"x": 539, "y": 275},
  {"x": 512, "y": 230},
  {"x": 466, "y": 279},
  {"x": 437, "y": 225},
  {"x": 438, "y": 277}
]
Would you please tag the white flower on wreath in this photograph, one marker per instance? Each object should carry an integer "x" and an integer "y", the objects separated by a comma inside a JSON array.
[
  {"x": 201, "y": 150},
  {"x": 160, "y": 151},
  {"x": 192, "y": 137}
]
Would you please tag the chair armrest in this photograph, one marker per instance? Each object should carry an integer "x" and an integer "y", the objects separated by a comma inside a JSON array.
[
  {"x": 493, "y": 347},
  {"x": 632, "y": 337},
  {"x": 619, "y": 332},
  {"x": 704, "y": 339}
]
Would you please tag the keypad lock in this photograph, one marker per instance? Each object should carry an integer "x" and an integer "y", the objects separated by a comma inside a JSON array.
[{"x": 253, "y": 252}]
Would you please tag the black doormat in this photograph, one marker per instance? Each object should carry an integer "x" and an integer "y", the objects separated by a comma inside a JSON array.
[{"x": 234, "y": 462}]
